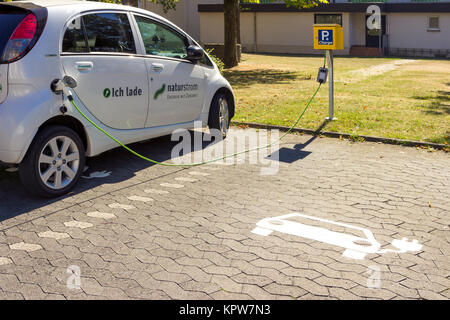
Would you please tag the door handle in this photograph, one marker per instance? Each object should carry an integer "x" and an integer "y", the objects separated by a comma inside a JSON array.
[
  {"x": 157, "y": 67},
  {"x": 84, "y": 66}
]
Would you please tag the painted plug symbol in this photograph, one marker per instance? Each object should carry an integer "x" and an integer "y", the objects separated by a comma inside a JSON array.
[{"x": 406, "y": 245}]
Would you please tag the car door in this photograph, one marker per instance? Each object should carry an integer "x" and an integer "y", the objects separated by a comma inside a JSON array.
[
  {"x": 176, "y": 85},
  {"x": 99, "y": 51}
]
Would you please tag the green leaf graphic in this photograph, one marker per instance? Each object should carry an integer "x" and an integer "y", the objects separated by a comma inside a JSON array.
[{"x": 160, "y": 91}]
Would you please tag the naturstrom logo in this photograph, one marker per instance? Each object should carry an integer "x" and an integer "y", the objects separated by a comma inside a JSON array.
[
  {"x": 159, "y": 91},
  {"x": 107, "y": 93}
]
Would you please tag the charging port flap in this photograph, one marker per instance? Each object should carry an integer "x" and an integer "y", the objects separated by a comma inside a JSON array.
[{"x": 3, "y": 82}]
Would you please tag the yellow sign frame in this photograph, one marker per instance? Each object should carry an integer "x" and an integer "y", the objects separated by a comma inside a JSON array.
[{"x": 335, "y": 37}]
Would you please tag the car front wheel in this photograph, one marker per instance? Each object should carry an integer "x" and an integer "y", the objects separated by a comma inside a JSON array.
[
  {"x": 54, "y": 163},
  {"x": 219, "y": 114}
]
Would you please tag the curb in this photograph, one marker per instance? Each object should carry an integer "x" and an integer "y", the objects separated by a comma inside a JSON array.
[{"x": 406, "y": 143}]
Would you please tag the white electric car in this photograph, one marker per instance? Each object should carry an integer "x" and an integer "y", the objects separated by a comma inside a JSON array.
[{"x": 137, "y": 76}]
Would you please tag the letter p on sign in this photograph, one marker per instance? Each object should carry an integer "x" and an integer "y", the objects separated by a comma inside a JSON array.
[{"x": 326, "y": 37}]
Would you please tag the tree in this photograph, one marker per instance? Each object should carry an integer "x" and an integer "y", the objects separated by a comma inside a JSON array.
[
  {"x": 231, "y": 19},
  {"x": 231, "y": 16},
  {"x": 166, "y": 4}
]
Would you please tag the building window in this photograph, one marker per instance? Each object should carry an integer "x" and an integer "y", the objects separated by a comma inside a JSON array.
[
  {"x": 328, "y": 18},
  {"x": 433, "y": 24}
]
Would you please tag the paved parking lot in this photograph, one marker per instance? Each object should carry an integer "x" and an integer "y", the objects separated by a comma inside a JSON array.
[{"x": 146, "y": 231}]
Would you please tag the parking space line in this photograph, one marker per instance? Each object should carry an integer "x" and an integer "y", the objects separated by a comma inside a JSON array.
[
  {"x": 141, "y": 199},
  {"x": 36, "y": 217},
  {"x": 121, "y": 206},
  {"x": 78, "y": 224},
  {"x": 156, "y": 191},
  {"x": 5, "y": 261},
  {"x": 53, "y": 235},
  {"x": 28, "y": 247},
  {"x": 197, "y": 173},
  {"x": 183, "y": 179},
  {"x": 101, "y": 215},
  {"x": 172, "y": 185}
]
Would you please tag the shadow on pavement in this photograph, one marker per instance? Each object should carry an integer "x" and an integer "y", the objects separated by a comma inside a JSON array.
[
  {"x": 15, "y": 200},
  {"x": 288, "y": 155}
]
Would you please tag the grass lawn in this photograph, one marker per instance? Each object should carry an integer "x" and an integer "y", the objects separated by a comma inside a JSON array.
[{"x": 386, "y": 97}]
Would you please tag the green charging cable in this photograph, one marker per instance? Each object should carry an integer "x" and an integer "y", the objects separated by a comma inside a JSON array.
[{"x": 70, "y": 97}]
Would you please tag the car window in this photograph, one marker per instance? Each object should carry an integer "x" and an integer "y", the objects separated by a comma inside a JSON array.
[
  {"x": 205, "y": 60},
  {"x": 160, "y": 40},
  {"x": 74, "y": 40},
  {"x": 109, "y": 32}
]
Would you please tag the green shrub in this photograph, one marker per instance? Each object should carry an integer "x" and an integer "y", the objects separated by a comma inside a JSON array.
[{"x": 216, "y": 59}]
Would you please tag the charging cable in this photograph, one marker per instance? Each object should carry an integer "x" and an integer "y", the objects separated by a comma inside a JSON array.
[{"x": 67, "y": 83}]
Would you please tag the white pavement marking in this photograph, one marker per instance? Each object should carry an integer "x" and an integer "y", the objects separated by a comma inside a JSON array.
[
  {"x": 4, "y": 261},
  {"x": 183, "y": 179},
  {"x": 98, "y": 174},
  {"x": 261, "y": 232},
  {"x": 78, "y": 224},
  {"x": 355, "y": 247},
  {"x": 29, "y": 247},
  {"x": 12, "y": 169},
  {"x": 196, "y": 173},
  {"x": 121, "y": 206},
  {"x": 101, "y": 215},
  {"x": 172, "y": 185},
  {"x": 156, "y": 191},
  {"x": 54, "y": 235},
  {"x": 142, "y": 199}
]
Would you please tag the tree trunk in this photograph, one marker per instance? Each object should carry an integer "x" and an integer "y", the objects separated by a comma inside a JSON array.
[
  {"x": 238, "y": 22},
  {"x": 231, "y": 37}
]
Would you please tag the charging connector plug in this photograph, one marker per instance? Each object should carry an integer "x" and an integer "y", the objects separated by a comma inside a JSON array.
[{"x": 322, "y": 75}]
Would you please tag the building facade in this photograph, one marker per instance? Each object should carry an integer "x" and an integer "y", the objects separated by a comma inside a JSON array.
[
  {"x": 186, "y": 14},
  {"x": 409, "y": 27}
]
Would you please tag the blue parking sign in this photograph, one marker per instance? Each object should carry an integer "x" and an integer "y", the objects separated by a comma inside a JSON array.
[{"x": 326, "y": 37}]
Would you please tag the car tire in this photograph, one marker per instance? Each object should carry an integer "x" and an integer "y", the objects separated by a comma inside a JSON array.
[
  {"x": 54, "y": 162},
  {"x": 219, "y": 114}
]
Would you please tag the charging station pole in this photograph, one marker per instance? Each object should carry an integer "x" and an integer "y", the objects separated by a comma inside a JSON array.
[
  {"x": 329, "y": 37},
  {"x": 330, "y": 62}
]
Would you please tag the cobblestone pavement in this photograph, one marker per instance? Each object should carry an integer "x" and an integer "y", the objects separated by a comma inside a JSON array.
[{"x": 155, "y": 232}]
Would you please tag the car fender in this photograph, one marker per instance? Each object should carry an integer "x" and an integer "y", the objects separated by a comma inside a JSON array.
[
  {"x": 216, "y": 82},
  {"x": 20, "y": 118}
]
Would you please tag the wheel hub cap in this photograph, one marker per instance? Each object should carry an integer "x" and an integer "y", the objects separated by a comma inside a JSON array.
[
  {"x": 223, "y": 115},
  {"x": 59, "y": 162}
]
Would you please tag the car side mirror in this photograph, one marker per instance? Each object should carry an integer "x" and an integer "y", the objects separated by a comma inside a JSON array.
[{"x": 194, "y": 53}]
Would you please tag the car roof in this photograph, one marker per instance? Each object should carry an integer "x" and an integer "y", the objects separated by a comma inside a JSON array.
[
  {"x": 82, "y": 5},
  {"x": 53, "y": 3}
]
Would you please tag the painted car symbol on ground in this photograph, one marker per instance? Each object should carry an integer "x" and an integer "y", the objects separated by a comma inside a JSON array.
[{"x": 355, "y": 247}]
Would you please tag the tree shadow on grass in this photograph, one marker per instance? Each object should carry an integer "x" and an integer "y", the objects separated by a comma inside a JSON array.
[
  {"x": 245, "y": 78},
  {"x": 436, "y": 105}
]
